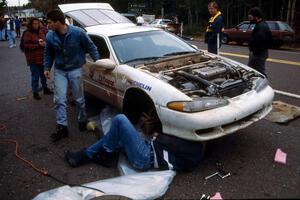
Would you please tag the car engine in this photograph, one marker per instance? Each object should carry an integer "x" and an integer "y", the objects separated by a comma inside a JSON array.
[{"x": 209, "y": 77}]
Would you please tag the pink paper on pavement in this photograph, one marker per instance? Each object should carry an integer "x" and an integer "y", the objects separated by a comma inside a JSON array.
[
  {"x": 280, "y": 156},
  {"x": 217, "y": 196}
]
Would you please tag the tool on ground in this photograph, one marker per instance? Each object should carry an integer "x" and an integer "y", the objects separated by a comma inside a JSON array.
[{"x": 220, "y": 172}]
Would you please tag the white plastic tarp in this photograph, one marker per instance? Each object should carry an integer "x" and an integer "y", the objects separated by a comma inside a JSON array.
[{"x": 146, "y": 185}]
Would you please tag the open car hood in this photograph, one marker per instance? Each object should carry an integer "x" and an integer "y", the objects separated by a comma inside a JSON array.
[
  {"x": 93, "y": 14},
  {"x": 65, "y": 8}
]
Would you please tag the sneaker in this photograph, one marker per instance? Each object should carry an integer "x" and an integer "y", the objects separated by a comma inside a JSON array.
[
  {"x": 77, "y": 158},
  {"x": 36, "y": 96},
  {"x": 61, "y": 132},
  {"x": 82, "y": 126},
  {"x": 47, "y": 91}
]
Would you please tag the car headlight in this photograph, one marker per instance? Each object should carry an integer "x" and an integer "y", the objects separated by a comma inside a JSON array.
[
  {"x": 197, "y": 105},
  {"x": 260, "y": 84}
]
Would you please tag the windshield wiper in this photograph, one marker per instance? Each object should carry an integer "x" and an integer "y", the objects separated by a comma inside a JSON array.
[
  {"x": 146, "y": 58},
  {"x": 179, "y": 53}
]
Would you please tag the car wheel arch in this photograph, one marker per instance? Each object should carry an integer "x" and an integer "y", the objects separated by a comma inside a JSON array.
[
  {"x": 225, "y": 38},
  {"x": 137, "y": 101}
]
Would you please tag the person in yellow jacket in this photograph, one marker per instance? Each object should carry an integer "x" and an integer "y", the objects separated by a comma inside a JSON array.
[{"x": 213, "y": 34}]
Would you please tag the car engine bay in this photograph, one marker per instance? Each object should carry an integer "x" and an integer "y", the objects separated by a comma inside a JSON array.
[{"x": 203, "y": 76}]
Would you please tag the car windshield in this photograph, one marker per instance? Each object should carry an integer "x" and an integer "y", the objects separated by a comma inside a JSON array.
[
  {"x": 150, "y": 45},
  {"x": 154, "y": 22}
]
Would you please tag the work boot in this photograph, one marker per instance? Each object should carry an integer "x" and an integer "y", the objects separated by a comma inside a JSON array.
[
  {"x": 106, "y": 159},
  {"x": 77, "y": 158},
  {"x": 61, "y": 132},
  {"x": 47, "y": 91},
  {"x": 36, "y": 96},
  {"x": 82, "y": 126}
]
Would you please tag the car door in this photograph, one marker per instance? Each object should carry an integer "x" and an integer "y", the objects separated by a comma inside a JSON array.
[
  {"x": 98, "y": 81},
  {"x": 244, "y": 32}
]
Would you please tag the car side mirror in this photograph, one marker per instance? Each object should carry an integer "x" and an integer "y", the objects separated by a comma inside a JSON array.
[
  {"x": 105, "y": 64},
  {"x": 195, "y": 47},
  {"x": 237, "y": 28}
]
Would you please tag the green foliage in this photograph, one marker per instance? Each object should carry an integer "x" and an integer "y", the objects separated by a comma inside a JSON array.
[{"x": 3, "y": 4}]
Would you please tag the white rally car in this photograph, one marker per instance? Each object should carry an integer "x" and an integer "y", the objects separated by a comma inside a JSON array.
[{"x": 192, "y": 94}]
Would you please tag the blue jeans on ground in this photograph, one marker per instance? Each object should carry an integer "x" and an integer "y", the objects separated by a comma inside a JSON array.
[
  {"x": 11, "y": 38},
  {"x": 61, "y": 81},
  {"x": 37, "y": 72},
  {"x": 122, "y": 135}
]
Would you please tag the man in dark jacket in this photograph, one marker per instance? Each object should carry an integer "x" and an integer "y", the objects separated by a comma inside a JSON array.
[
  {"x": 18, "y": 26},
  {"x": 66, "y": 46},
  {"x": 214, "y": 29},
  {"x": 261, "y": 40}
]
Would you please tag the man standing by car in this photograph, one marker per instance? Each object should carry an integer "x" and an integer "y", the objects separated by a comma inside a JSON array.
[
  {"x": 214, "y": 29},
  {"x": 260, "y": 41},
  {"x": 67, "y": 46},
  {"x": 140, "y": 20}
]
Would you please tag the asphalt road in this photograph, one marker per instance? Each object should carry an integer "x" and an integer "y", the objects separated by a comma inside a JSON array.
[{"x": 248, "y": 154}]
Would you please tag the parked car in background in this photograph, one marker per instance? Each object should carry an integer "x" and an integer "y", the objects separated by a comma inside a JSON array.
[
  {"x": 184, "y": 91},
  {"x": 166, "y": 24},
  {"x": 281, "y": 33}
]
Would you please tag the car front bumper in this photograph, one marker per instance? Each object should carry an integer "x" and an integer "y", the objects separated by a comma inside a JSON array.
[{"x": 241, "y": 112}]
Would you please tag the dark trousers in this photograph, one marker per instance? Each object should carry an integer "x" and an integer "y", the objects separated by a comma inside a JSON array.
[
  {"x": 18, "y": 32},
  {"x": 212, "y": 47},
  {"x": 257, "y": 61},
  {"x": 37, "y": 72}
]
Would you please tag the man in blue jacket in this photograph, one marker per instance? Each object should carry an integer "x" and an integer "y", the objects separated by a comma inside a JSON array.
[
  {"x": 67, "y": 46},
  {"x": 214, "y": 29}
]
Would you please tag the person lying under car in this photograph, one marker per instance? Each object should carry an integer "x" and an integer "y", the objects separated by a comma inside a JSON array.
[{"x": 161, "y": 152}]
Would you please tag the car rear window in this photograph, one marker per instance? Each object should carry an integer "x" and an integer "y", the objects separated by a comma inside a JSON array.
[
  {"x": 285, "y": 27},
  {"x": 273, "y": 26},
  {"x": 92, "y": 17}
]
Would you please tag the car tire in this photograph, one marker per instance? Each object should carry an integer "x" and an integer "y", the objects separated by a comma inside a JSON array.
[
  {"x": 225, "y": 39},
  {"x": 277, "y": 44}
]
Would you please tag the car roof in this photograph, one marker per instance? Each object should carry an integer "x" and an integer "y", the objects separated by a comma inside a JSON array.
[{"x": 119, "y": 29}]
